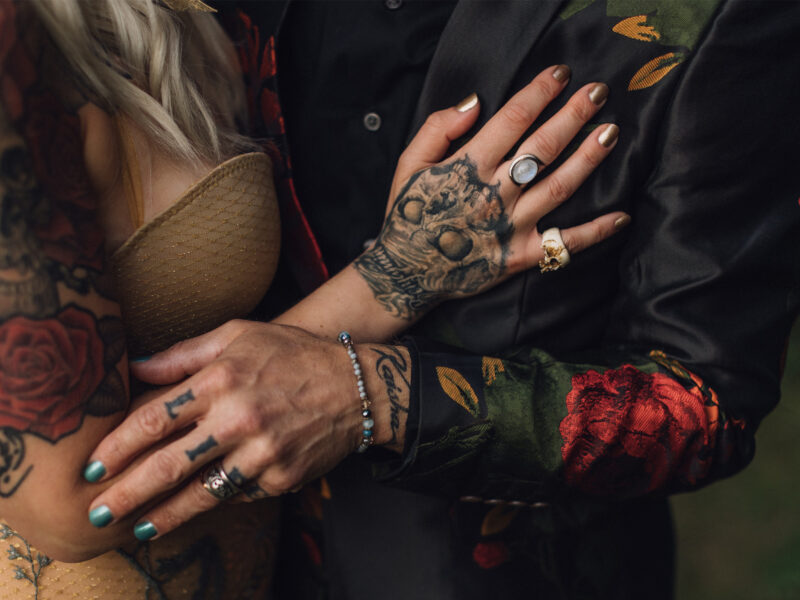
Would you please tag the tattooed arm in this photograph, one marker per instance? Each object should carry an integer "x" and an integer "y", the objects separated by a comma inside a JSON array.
[
  {"x": 459, "y": 227},
  {"x": 63, "y": 373},
  {"x": 278, "y": 403}
]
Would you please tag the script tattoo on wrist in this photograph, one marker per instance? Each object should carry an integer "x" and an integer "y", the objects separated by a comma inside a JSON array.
[
  {"x": 446, "y": 236},
  {"x": 393, "y": 370}
]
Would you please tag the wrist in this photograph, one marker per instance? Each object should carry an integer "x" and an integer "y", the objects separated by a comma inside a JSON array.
[{"x": 387, "y": 374}]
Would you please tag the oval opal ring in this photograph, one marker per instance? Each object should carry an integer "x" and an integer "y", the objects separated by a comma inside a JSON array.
[{"x": 524, "y": 168}]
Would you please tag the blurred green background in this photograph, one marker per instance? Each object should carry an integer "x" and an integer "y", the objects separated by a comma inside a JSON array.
[{"x": 740, "y": 538}]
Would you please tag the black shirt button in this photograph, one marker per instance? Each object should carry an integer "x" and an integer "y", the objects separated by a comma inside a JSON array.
[
  {"x": 393, "y": 4},
  {"x": 372, "y": 121}
]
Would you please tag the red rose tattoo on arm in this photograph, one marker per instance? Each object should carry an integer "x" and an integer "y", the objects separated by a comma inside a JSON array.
[{"x": 58, "y": 356}]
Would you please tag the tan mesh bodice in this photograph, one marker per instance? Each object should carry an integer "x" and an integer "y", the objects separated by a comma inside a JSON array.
[{"x": 205, "y": 260}]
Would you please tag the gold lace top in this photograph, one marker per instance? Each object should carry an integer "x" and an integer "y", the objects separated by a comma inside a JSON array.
[{"x": 206, "y": 259}]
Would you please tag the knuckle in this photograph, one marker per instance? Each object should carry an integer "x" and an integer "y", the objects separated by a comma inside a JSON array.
[
  {"x": 579, "y": 109},
  {"x": 152, "y": 420},
  {"x": 124, "y": 501},
  {"x": 590, "y": 159},
  {"x": 222, "y": 374},
  {"x": 547, "y": 146},
  {"x": 166, "y": 468},
  {"x": 518, "y": 115},
  {"x": 281, "y": 481},
  {"x": 557, "y": 189},
  {"x": 435, "y": 121},
  {"x": 264, "y": 452}
]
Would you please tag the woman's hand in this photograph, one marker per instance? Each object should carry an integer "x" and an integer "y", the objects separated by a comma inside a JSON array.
[
  {"x": 459, "y": 227},
  {"x": 278, "y": 406}
]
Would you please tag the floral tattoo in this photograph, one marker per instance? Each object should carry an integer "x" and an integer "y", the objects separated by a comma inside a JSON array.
[
  {"x": 446, "y": 236},
  {"x": 58, "y": 357}
]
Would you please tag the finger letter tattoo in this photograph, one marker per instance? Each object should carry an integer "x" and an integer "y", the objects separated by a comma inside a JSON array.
[
  {"x": 447, "y": 235},
  {"x": 249, "y": 488},
  {"x": 202, "y": 448},
  {"x": 179, "y": 401}
]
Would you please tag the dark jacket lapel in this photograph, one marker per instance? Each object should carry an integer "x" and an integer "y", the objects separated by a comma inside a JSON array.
[{"x": 480, "y": 50}]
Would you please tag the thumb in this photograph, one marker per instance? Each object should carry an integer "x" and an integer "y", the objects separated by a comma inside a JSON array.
[
  {"x": 187, "y": 357},
  {"x": 434, "y": 137}
]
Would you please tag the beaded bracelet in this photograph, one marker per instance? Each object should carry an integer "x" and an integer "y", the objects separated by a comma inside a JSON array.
[{"x": 368, "y": 423}]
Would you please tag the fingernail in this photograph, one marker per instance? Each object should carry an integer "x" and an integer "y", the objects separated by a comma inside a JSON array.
[
  {"x": 144, "y": 531},
  {"x": 562, "y": 73},
  {"x": 140, "y": 359},
  {"x": 100, "y": 516},
  {"x": 598, "y": 93},
  {"x": 609, "y": 136},
  {"x": 467, "y": 103},
  {"x": 94, "y": 471},
  {"x": 622, "y": 221}
]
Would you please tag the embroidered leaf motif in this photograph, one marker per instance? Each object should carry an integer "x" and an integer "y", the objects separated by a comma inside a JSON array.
[
  {"x": 498, "y": 519},
  {"x": 459, "y": 389},
  {"x": 655, "y": 70},
  {"x": 490, "y": 367},
  {"x": 324, "y": 488},
  {"x": 637, "y": 29}
]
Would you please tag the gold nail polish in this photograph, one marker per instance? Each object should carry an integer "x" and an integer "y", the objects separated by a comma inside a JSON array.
[
  {"x": 609, "y": 136},
  {"x": 467, "y": 103},
  {"x": 622, "y": 221},
  {"x": 562, "y": 73},
  {"x": 598, "y": 93}
]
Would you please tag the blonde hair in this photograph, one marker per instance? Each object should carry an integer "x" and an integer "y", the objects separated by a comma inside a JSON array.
[{"x": 174, "y": 74}]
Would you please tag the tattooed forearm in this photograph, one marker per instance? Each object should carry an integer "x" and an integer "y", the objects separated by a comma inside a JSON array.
[
  {"x": 249, "y": 488},
  {"x": 187, "y": 396},
  {"x": 446, "y": 236},
  {"x": 202, "y": 448},
  {"x": 393, "y": 370}
]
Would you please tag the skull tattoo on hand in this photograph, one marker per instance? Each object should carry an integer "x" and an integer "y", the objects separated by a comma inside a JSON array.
[{"x": 446, "y": 236}]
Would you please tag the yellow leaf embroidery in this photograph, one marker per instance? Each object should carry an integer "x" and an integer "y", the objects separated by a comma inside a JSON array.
[
  {"x": 637, "y": 28},
  {"x": 459, "y": 389},
  {"x": 324, "y": 488},
  {"x": 497, "y": 519},
  {"x": 490, "y": 367},
  {"x": 655, "y": 70}
]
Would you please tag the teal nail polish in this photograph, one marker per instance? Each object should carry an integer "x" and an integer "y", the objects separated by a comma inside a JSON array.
[
  {"x": 94, "y": 471},
  {"x": 140, "y": 359},
  {"x": 144, "y": 531},
  {"x": 100, "y": 516}
]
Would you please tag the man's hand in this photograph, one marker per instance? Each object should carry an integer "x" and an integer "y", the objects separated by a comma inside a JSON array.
[{"x": 277, "y": 405}]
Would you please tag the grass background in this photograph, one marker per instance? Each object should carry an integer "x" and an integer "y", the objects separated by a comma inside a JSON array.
[{"x": 740, "y": 538}]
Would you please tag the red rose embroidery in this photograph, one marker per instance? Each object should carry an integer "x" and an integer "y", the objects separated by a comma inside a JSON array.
[
  {"x": 48, "y": 370},
  {"x": 488, "y": 555},
  {"x": 629, "y": 432},
  {"x": 311, "y": 546}
]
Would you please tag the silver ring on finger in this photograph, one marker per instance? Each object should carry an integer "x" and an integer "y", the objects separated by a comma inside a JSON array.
[
  {"x": 556, "y": 255},
  {"x": 524, "y": 169},
  {"x": 217, "y": 482}
]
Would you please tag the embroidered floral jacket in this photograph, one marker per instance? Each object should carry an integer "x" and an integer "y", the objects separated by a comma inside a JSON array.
[{"x": 552, "y": 415}]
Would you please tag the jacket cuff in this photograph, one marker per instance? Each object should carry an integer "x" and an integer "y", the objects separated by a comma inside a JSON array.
[{"x": 446, "y": 396}]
